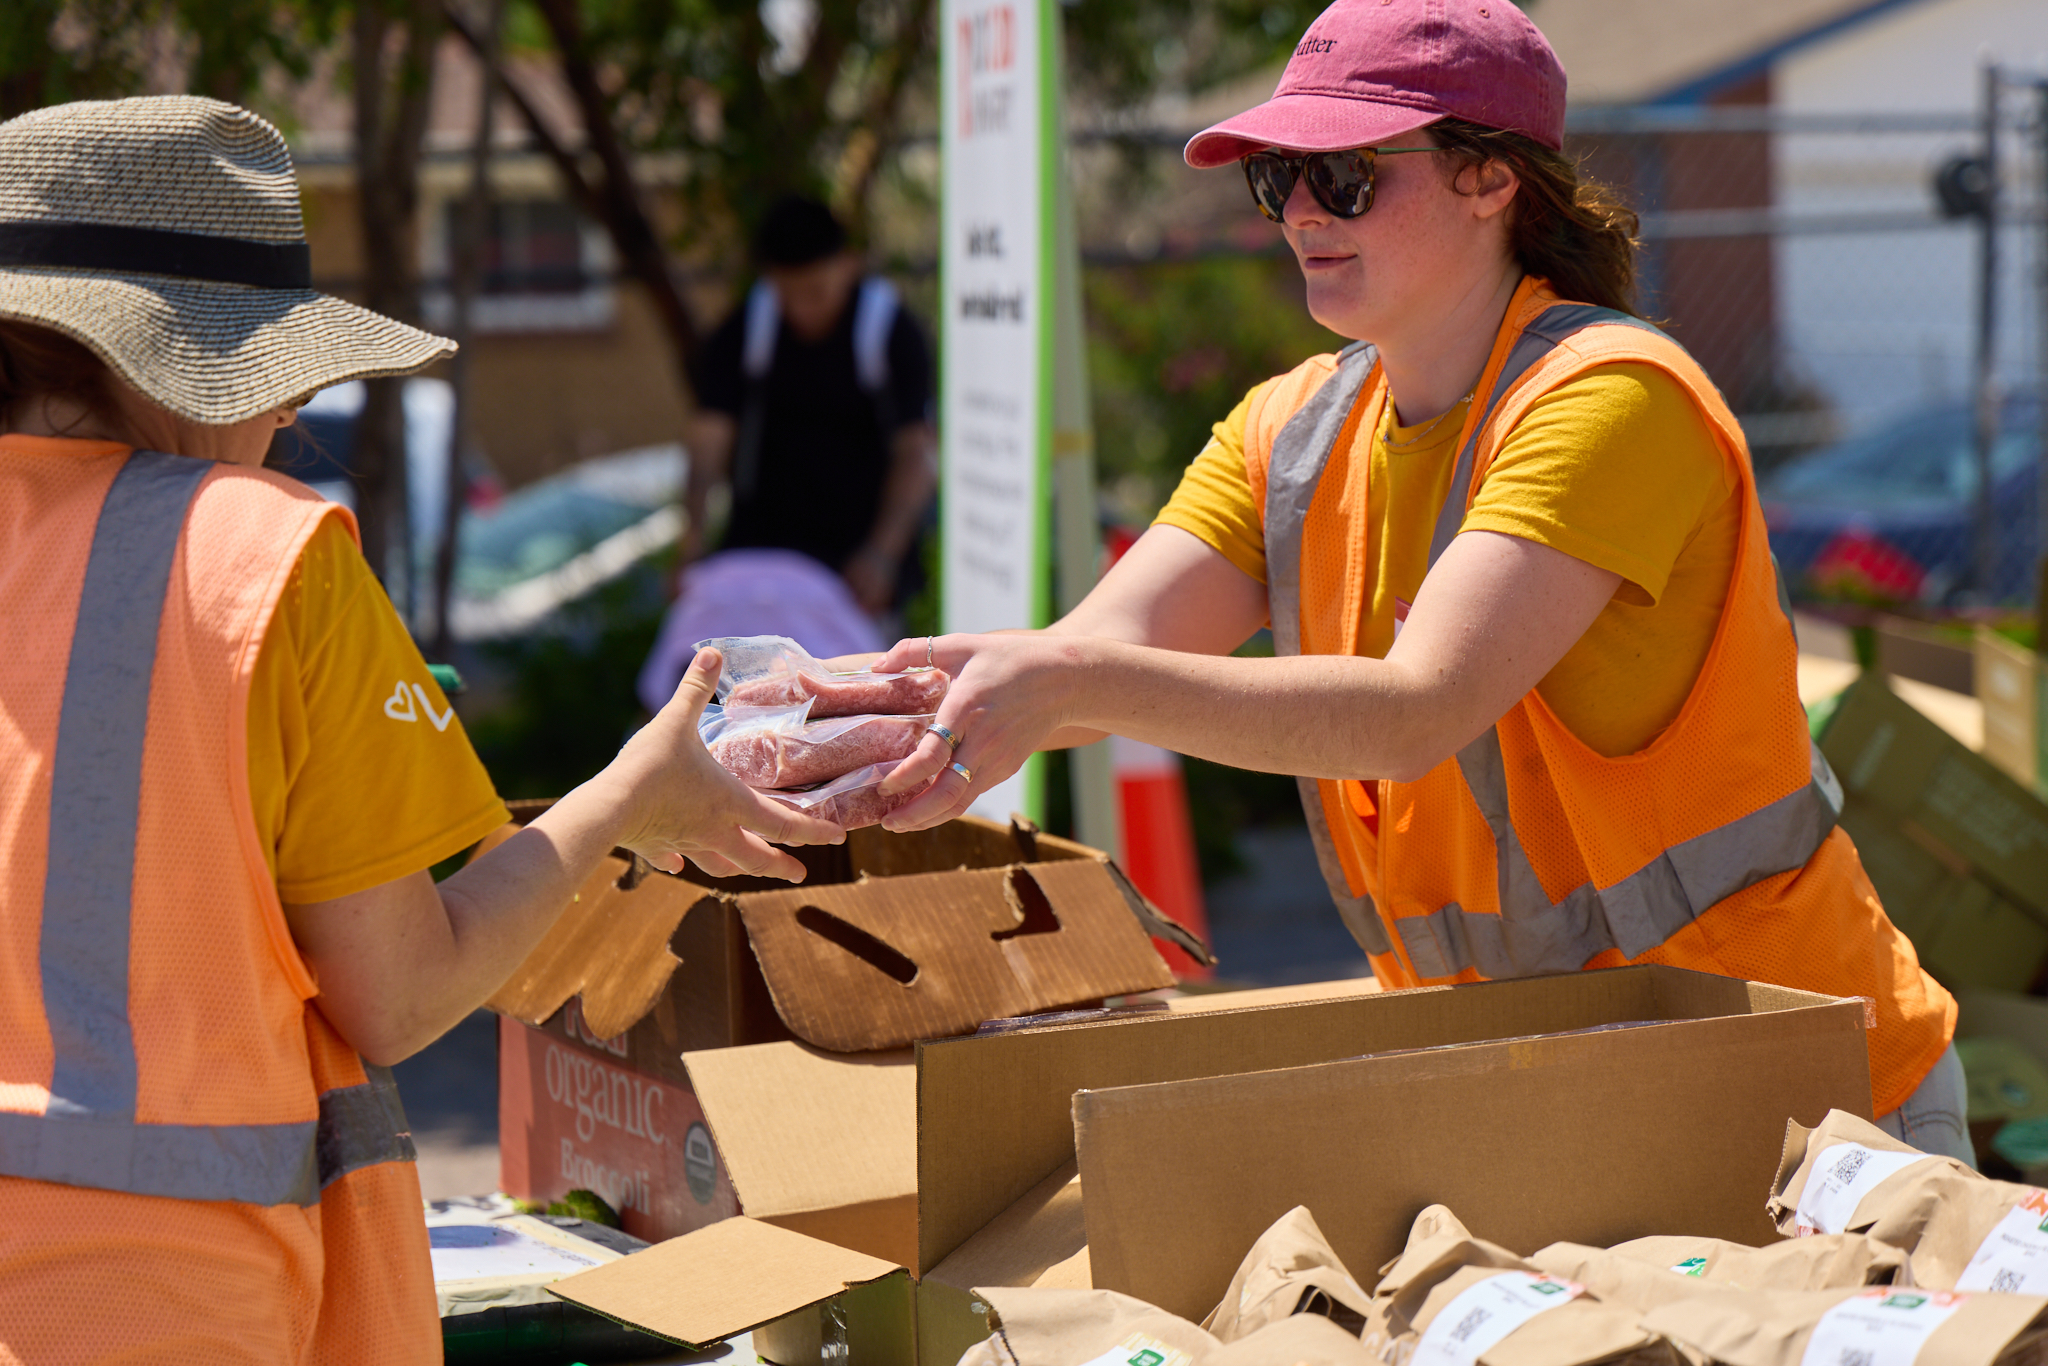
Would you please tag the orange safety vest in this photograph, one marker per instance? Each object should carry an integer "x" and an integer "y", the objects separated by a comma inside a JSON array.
[
  {"x": 1715, "y": 848},
  {"x": 193, "y": 1164}
]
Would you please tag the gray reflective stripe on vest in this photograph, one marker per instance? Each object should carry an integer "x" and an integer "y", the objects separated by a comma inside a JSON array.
[
  {"x": 362, "y": 1126},
  {"x": 1538, "y": 339},
  {"x": 96, "y": 785},
  {"x": 89, "y": 1135},
  {"x": 257, "y": 1164},
  {"x": 1532, "y": 935},
  {"x": 1300, "y": 452}
]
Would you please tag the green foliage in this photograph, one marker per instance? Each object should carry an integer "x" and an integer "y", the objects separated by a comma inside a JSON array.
[
  {"x": 569, "y": 701},
  {"x": 757, "y": 115},
  {"x": 1120, "y": 52},
  {"x": 52, "y": 51},
  {"x": 1173, "y": 347},
  {"x": 586, "y": 1205}
]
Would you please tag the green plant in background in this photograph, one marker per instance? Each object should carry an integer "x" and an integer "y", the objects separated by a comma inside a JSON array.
[{"x": 1172, "y": 348}]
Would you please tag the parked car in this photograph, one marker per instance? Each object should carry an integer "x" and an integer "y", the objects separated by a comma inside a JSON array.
[
  {"x": 1892, "y": 513},
  {"x": 521, "y": 555}
]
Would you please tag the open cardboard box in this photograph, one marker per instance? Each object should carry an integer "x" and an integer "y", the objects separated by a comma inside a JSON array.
[
  {"x": 1189, "y": 1126},
  {"x": 891, "y": 938}
]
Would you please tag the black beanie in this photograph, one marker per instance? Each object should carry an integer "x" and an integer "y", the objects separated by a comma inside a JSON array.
[{"x": 796, "y": 231}]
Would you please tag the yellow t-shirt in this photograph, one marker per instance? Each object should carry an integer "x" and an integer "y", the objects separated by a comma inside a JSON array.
[
  {"x": 1616, "y": 468},
  {"x": 358, "y": 770}
]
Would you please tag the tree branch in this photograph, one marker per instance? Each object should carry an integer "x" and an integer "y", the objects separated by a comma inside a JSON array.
[{"x": 633, "y": 233}]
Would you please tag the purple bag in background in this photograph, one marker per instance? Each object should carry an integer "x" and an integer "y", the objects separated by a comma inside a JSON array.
[{"x": 756, "y": 593}]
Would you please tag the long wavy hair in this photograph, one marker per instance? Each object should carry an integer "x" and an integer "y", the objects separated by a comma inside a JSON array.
[{"x": 1577, "y": 234}]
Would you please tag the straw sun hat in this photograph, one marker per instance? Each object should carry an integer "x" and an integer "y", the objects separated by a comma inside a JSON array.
[{"x": 165, "y": 234}]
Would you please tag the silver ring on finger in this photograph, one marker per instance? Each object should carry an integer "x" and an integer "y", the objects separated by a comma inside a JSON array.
[
  {"x": 944, "y": 733},
  {"x": 928, "y": 662},
  {"x": 962, "y": 769}
]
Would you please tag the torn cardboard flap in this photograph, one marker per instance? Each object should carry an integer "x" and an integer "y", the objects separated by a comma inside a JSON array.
[
  {"x": 862, "y": 967},
  {"x": 820, "y": 1143},
  {"x": 611, "y": 947},
  {"x": 722, "y": 1280},
  {"x": 891, "y": 938}
]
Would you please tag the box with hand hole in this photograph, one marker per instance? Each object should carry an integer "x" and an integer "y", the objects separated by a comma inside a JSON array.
[{"x": 890, "y": 940}]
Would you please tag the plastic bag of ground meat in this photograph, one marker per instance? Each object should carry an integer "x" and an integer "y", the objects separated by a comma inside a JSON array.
[
  {"x": 852, "y": 801},
  {"x": 775, "y": 671},
  {"x": 781, "y": 747}
]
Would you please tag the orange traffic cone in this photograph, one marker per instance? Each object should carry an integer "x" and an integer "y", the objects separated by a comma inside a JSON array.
[{"x": 1159, "y": 843}]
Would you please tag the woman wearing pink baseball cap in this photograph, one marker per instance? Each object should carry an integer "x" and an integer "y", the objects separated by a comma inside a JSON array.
[{"x": 1533, "y": 665}]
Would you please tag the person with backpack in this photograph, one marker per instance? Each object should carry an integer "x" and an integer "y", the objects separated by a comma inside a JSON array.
[
  {"x": 1534, "y": 667},
  {"x": 815, "y": 412}
]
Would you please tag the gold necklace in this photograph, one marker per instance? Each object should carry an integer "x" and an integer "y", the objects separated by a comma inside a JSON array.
[{"x": 1423, "y": 435}]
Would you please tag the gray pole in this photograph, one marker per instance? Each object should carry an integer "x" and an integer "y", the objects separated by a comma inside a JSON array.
[{"x": 1985, "y": 579}]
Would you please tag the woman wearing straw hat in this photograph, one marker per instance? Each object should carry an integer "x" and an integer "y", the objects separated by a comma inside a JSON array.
[
  {"x": 1534, "y": 670},
  {"x": 223, "y": 771}
]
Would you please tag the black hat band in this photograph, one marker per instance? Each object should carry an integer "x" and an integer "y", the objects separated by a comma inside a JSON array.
[{"x": 156, "y": 251}]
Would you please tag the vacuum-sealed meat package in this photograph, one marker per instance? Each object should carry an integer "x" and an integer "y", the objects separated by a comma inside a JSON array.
[
  {"x": 775, "y": 671},
  {"x": 852, "y": 801},
  {"x": 781, "y": 747}
]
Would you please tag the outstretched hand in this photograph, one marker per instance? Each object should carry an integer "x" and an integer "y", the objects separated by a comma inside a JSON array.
[
  {"x": 1007, "y": 700},
  {"x": 686, "y": 805}
]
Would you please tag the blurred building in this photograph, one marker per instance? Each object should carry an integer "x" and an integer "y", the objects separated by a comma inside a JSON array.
[
  {"x": 570, "y": 361},
  {"x": 1783, "y": 152}
]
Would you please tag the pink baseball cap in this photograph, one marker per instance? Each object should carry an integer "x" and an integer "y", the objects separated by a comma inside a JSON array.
[{"x": 1368, "y": 71}]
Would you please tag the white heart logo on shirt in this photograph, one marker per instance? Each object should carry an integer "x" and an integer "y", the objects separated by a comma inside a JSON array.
[
  {"x": 399, "y": 706},
  {"x": 440, "y": 719}
]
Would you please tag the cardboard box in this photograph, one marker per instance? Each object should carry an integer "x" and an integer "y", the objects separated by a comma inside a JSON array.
[
  {"x": 572, "y": 1116},
  {"x": 1591, "y": 1137},
  {"x": 997, "y": 1117},
  {"x": 1927, "y": 652},
  {"x": 891, "y": 938},
  {"x": 2013, "y": 686},
  {"x": 1957, "y": 851}
]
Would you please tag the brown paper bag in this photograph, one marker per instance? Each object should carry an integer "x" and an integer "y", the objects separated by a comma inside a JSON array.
[
  {"x": 1849, "y": 1176},
  {"x": 1290, "y": 1270},
  {"x": 1300, "y": 1340},
  {"x": 1483, "y": 1293},
  {"x": 1438, "y": 1244},
  {"x": 1625, "y": 1282},
  {"x": 1103, "y": 1328},
  {"x": 1069, "y": 1327},
  {"x": 1878, "y": 1326},
  {"x": 1962, "y": 1231},
  {"x": 1825, "y": 1261}
]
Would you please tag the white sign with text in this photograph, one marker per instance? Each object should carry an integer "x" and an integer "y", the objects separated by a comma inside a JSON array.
[{"x": 996, "y": 292}]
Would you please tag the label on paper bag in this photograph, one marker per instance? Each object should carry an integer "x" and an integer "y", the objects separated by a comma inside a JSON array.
[
  {"x": 1845, "y": 1173},
  {"x": 2013, "y": 1258},
  {"x": 1880, "y": 1327},
  {"x": 1141, "y": 1349},
  {"x": 1484, "y": 1313},
  {"x": 1692, "y": 1266}
]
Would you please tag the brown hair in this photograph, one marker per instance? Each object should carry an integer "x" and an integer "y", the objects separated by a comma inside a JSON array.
[
  {"x": 1577, "y": 234},
  {"x": 38, "y": 364}
]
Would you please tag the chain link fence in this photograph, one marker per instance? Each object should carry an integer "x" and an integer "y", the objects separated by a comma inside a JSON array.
[{"x": 1870, "y": 292}]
